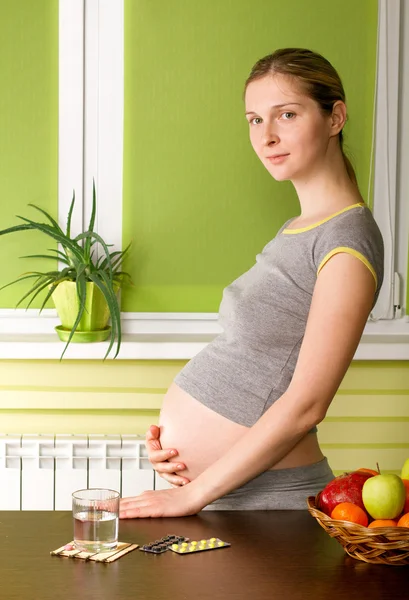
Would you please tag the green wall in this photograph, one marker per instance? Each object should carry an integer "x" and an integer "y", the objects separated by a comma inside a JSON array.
[
  {"x": 29, "y": 131},
  {"x": 197, "y": 204}
]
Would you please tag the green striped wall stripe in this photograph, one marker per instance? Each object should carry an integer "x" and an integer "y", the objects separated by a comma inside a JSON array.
[
  {"x": 377, "y": 378},
  {"x": 380, "y": 405},
  {"x": 384, "y": 472},
  {"x": 382, "y": 408},
  {"x": 74, "y": 422},
  {"x": 371, "y": 392},
  {"x": 80, "y": 400},
  {"x": 365, "y": 419},
  {"x": 84, "y": 389},
  {"x": 351, "y": 458},
  {"x": 363, "y": 394},
  {"x": 86, "y": 373},
  {"x": 369, "y": 446},
  {"x": 360, "y": 433}
]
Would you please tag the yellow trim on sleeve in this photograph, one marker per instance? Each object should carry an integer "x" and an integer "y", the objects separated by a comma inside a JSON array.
[
  {"x": 291, "y": 231},
  {"x": 355, "y": 253}
]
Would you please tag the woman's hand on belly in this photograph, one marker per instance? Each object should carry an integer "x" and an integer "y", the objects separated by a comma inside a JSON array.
[{"x": 159, "y": 458}]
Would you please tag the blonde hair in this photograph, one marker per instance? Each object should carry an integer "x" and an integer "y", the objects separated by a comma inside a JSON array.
[{"x": 317, "y": 77}]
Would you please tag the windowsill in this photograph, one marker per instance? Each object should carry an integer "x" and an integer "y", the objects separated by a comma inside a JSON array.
[
  {"x": 168, "y": 336},
  {"x": 133, "y": 347}
]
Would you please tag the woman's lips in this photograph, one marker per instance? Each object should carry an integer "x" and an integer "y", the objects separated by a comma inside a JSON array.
[{"x": 277, "y": 159}]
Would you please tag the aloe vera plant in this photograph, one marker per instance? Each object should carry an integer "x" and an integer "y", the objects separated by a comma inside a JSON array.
[{"x": 80, "y": 264}]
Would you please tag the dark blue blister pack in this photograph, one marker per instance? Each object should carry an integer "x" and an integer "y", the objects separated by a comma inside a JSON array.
[{"x": 162, "y": 545}]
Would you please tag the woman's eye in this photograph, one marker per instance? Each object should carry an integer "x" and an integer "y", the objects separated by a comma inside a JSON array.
[
  {"x": 255, "y": 121},
  {"x": 288, "y": 115}
]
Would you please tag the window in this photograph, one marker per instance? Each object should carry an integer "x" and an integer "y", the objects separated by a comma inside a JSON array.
[{"x": 91, "y": 142}]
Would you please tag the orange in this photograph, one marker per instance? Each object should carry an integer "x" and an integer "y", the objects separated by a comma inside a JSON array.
[
  {"x": 383, "y": 523},
  {"x": 404, "y": 520},
  {"x": 346, "y": 511},
  {"x": 368, "y": 471},
  {"x": 406, "y": 507}
]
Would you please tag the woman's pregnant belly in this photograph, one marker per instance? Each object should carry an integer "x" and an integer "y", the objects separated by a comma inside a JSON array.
[
  {"x": 199, "y": 434},
  {"x": 202, "y": 436}
]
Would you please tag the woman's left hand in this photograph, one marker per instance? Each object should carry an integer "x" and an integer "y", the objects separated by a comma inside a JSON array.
[{"x": 176, "y": 502}]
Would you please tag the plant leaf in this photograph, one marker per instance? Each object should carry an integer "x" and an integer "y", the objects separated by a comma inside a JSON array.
[
  {"x": 94, "y": 207},
  {"x": 42, "y": 281},
  {"x": 49, "y": 217},
  {"x": 61, "y": 238},
  {"x": 70, "y": 215},
  {"x": 106, "y": 288},
  {"x": 40, "y": 284},
  {"x": 90, "y": 234},
  {"x": 49, "y": 294},
  {"x": 61, "y": 255},
  {"x": 88, "y": 240},
  {"x": 119, "y": 277},
  {"x": 40, "y": 289},
  {"x": 81, "y": 292},
  {"x": 113, "y": 255},
  {"x": 21, "y": 278},
  {"x": 16, "y": 228},
  {"x": 44, "y": 256}
]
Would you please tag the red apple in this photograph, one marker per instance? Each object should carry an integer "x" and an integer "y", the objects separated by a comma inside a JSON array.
[{"x": 344, "y": 488}]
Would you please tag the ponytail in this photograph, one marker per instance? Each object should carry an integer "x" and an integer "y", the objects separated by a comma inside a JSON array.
[
  {"x": 350, "y": 169},
  {"x": 348, "y": 165}
]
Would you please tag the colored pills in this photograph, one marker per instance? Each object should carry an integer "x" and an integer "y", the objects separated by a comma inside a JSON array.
[{"x": 194, "y": 546}]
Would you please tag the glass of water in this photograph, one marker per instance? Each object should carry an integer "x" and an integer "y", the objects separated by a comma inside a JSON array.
[{"x": 96, "y": 516}]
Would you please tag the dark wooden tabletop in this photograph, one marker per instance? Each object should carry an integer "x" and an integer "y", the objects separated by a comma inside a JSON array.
[{"x": 281, "y": 555}]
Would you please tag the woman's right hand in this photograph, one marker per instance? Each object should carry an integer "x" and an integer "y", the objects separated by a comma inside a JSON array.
[{"x": 159, "y": 458}]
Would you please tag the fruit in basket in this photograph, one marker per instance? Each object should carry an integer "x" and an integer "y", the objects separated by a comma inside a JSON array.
[
  {"x": 384, "y": 496},
  {"x": 404, "y": 520},
  {"x": 344, "y": 488},
  {"x": 347, "y": 511},
  {"x": 405, "y": 470},
  {"x": 383, "y": 523},
  {"x": 406, "y": 484},
  {"x": 371, "y": 471}
]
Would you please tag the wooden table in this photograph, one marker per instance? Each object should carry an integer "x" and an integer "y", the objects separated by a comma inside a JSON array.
[{"x": 282, "y": 555}]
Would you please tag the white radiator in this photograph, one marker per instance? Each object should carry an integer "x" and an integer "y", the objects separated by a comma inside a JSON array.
[{"x": 40, "y": 471}]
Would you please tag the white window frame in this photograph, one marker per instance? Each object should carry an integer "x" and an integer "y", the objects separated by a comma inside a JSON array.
[
  {"x": 91, "y": 92},
  {"x": 385, "y": 137},
  {"x": 91, "y": 111}
]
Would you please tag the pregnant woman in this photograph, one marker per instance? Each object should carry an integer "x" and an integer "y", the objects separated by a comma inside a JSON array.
[{"x": 238, "y": 424}]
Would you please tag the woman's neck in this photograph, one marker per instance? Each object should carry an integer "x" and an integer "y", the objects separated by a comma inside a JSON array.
[{"x": 326, "y": 191}]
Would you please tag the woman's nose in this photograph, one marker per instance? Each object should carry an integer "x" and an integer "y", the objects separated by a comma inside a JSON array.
[{"x": 270, "y": 137}]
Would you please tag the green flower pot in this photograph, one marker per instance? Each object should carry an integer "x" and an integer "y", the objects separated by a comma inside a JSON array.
[{"x": 96, "y": 313}]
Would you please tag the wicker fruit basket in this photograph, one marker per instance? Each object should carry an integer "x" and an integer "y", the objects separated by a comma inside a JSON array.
[{"x": 380, "y": 546}]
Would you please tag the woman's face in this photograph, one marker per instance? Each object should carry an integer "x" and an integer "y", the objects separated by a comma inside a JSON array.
[{"x": 288, "y": 131}]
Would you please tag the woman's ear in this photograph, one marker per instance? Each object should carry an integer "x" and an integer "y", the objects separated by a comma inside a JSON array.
[{"x": 338, "y": 117}]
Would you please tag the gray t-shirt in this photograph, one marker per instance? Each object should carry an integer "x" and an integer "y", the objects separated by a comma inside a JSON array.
[{"x": 264, "y": 314}]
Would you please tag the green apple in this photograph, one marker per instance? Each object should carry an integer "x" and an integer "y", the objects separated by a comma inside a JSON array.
[
  {"x": 405, "y": 469},
  {"x": 384, "y": 496}
]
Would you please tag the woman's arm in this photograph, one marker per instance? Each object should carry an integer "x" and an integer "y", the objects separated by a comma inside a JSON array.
[{"x": 342, "y": 300}]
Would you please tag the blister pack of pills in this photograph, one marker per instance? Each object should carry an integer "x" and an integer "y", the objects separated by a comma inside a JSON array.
[
  {"x": 198, "y": 546},
  {"x": 162, "y": 545}
]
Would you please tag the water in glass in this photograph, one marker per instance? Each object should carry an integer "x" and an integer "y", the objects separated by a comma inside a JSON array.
[{"x": 96, "y": 530}]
